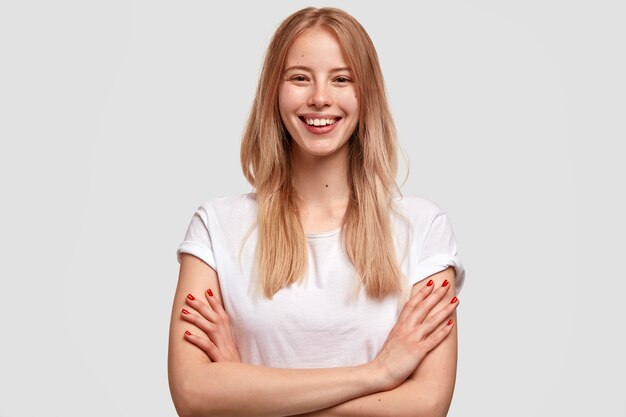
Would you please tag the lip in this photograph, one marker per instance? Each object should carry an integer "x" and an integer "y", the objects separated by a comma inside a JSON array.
[
  {"x": 319, "y": 116},
  {"x": 319, "y": 130}
]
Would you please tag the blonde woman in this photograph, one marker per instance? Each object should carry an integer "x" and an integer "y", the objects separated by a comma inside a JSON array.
[{"x": 324, "y": 292}]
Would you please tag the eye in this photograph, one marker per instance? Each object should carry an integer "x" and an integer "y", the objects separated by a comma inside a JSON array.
[
  {"x": 343, "y": 80},
  {"x": 299, "y": 78}
]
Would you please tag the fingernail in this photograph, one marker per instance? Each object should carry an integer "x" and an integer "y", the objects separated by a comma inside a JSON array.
[
  {"x": 445, "y": 283},
  {"x": 454, "y": 300},
  {"x": 185, "y": 311},
  {"x": 449, "y": 322},
  {"x": 209, "y": 292},
  {"x": 187, "y": 332},
  {"x": 191, "y": 297},
  {"x": 429, "y": 283}
]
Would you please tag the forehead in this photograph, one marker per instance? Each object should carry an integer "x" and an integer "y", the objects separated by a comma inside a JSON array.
[{"x": 316, "y": 47}]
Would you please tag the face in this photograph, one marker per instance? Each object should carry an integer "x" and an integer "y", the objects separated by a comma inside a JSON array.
[{"x": 317, "y": 97}]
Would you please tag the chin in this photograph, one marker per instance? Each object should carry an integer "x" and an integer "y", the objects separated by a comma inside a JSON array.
[{"x": 323, "y": 152}]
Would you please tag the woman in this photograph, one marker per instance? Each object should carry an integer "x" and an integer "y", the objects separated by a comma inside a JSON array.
[{"x": 332, "y": 287}]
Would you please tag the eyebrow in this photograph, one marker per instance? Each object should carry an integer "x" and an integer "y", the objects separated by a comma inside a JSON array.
[{"x": 301, "y": 67}]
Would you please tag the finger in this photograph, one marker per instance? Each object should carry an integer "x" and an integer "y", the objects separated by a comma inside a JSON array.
[
  {"x": 217, "y": 325},
  {"x": 420, "y": 312},
  {"x": 432, "y": 322},
  {"x": 415, "y": 299},
  {"x": 436, "y": 337},
  {"x": 203, "y": 308},
  {"x": 216, "y": 305},
  {"x": 199, "y": 321},
  {"x": 205, "y": 345}
]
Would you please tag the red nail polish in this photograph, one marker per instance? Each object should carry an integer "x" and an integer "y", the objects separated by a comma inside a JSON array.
[
  {"x": 449, "y": 322},
  {"x": 445, "y": 283},
  {"x": 429, "y": 283},
  {"x": 187, "y": 332},
  {"x": 185, "y": 311},
  {"x": 454, "y": 300},
  {"x": 209, "y": 292},
  {"x": 191, "y": 297}
]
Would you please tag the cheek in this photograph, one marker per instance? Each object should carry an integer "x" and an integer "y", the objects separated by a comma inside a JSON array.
[
  {"x": 286, "y": 108},
  {"x": 283, "y": 103},
  {"x": 350, "y": 101},
  {"x": 287, "y": 100}
]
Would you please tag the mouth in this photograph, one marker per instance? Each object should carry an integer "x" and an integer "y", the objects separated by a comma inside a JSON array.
[
  {"x": 320, "y": 126},
  {"x": 309, "y": 121}
]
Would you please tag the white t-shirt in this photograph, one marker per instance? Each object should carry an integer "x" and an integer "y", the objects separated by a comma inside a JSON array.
[{"x": 317, "y": 322}]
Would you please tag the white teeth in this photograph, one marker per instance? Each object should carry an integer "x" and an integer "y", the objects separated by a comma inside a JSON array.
[{"x": 320, "y": 122}]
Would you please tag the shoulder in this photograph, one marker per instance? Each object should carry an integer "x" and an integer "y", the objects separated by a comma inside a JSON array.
[
  {"x": 417, "y": 209},
  {"x": 232, "y": 205}
]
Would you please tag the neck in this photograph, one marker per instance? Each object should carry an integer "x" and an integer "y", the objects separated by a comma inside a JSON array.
[{"x": 321, "y": 181}]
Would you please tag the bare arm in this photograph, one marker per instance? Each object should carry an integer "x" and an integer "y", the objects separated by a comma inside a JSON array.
[
  {"x": 427, "y": 392},
  {"x": 200, "y": 387}
]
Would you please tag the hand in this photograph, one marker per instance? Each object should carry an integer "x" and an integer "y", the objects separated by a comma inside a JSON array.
[
  {"x": 212, "y": 319},
  {"x": 414, "y": 335}
]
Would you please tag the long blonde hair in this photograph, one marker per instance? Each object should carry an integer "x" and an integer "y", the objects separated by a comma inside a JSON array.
[{"x": 281, "y": 252}]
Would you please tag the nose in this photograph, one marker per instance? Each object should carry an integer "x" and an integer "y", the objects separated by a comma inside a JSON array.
[{"x": 320, "y": 95}]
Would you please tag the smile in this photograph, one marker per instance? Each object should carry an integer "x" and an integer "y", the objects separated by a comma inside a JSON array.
[
  {"x": 319, "y": 126},
  {"x": 319, "y": 122}
]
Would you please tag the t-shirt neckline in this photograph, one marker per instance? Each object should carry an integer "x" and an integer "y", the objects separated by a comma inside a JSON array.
[{"x": 318, "y": 235}]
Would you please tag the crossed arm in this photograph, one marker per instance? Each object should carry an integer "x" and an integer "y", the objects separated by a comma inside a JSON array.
[{"x": 200, "y": 387}]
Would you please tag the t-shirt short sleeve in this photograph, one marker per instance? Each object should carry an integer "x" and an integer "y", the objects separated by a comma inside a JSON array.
[
  {"x": 439, "y": 251},
  {"x": 197, "y": 239}
]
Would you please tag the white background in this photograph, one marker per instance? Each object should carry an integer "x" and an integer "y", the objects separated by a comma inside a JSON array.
[{"x": 119, "y": 118}]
